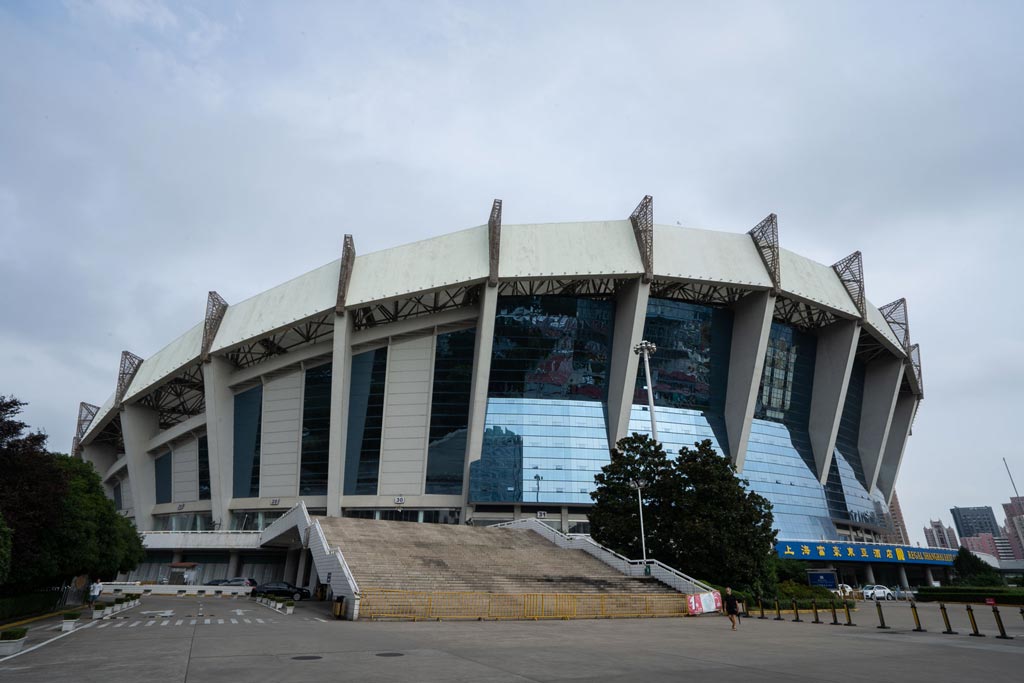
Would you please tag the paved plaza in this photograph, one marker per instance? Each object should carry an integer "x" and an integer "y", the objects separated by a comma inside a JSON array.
[{"x": 184, "y": 639}]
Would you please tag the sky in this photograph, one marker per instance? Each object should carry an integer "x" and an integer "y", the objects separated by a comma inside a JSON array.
[{"x": 151, "y": 152}]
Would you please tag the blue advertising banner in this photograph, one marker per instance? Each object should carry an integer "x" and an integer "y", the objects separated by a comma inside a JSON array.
[
  {"x": 825, "y": 579},
  {"x": 836, "y": 551}
]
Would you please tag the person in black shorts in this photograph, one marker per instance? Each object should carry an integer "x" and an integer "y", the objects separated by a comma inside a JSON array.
[{"x": 732, "y": 608}]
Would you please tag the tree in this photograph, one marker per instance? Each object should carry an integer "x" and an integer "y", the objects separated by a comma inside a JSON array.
[
  {"x": 699, "y": 517},
  {"x": 5, "y": 550},
  {"x": 61, "y": 522},
  {"x": 971, "y": 570}
]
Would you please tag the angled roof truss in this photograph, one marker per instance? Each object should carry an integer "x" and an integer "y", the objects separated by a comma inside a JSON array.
[
  {"x": 896, "y": 315},
  {"x": 348, "y": 260},
  {"x": 642, "y": 220},
  {"x": 494, "y": 243},
  {"x": 851, "y": 273},
  {"x": 86, "y": 412},
  {"x": 130, "y": 364},
  {"x": 915, "y": 361},
  {"x": 802, "y": 314},
  {"x": 309, "y": 331},
  {"x": 559, "y": 287},
  {"x": 215, "y": 309},
  {"x": 180, "y": 398},
  {"x": 386, "y": 312},
  {"x": 766, "y": 238},
  {"x": 697, "y": 292}
]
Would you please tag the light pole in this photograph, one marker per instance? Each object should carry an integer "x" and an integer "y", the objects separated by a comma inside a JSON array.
[
  {"x": 639, "y": 485},
  {"x": 537, "y": 478},
  {"x": 644, "y": 349}
]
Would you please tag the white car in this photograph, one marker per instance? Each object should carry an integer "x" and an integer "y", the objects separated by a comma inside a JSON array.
[
  {"x": 843, "y": 591},
  {"x": 878, "y": 592}
]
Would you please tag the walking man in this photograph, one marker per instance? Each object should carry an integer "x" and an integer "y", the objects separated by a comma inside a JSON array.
[
  {"x": 95, "y": 589},
  {"x": 732, "y": 608}
]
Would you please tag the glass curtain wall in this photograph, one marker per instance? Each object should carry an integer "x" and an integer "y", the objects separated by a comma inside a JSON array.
[
  {"x": 689, "y": 374},
  {"x": 779, "y": 462},
  {"x": 204, "y": 468},
  {"x": 316, "y": 427},
  {"x": 365, "y": 422},
  {"x": 248, "y": 425},
  {"x": 545, "y": 434},
  {"x": 162, "y": 470},
  {"x": 449, "y": 411}
]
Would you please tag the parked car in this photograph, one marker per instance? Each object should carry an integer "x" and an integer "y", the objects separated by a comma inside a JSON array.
[
  {"x": 904, "y": 593},
  {"x": 878, "y": 592},
  {"x": 240, "y": 581},
  {"x": 284, "y": 590},
  {"x": 216, "y": 582},
  {"x": 843, "y": 590}
]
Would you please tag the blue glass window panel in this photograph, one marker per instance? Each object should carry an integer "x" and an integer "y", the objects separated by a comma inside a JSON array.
[
  {"x": 204, "y": 468},
  {"x": 117, "y": 496},
  {"x": 449, "y": 411},
  {"x": 551, "y": 347},
  {"x": 848, "y": 435},
  {"x": 248, "y": 424},
  {"x": 316, "y": 427},
  {"x": 162, "y": 469},
  {"x": 784, "y": 394},
  {"x": 540, "y": 451},
  {"x": 690, "y": 369},
  {"x": 365, "y": 422},
  {"x": 678, "y": 427},
  {"x": 777, "y": 468}
]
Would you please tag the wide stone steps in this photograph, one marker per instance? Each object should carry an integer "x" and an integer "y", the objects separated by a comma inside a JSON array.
[{"x": 451, "y": 558}]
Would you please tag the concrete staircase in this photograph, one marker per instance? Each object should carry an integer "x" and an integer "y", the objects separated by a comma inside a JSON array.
[{"x": 452, "y": 558}]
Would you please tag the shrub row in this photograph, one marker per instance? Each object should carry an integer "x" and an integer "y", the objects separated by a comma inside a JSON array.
[
  {"x": 28, "y": 605},
  {"x": 966, "y": 594},
  {"x": 13, "y": 634}
]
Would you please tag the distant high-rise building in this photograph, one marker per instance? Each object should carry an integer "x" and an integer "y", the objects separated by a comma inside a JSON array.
[
  {"x": 975, "y": 520},
  {"x": 899, "y": 533},
  {"x": 1014, "y": 529},
  {"x": 982, "y": 543},
  {"x": 937, "y": 535}
]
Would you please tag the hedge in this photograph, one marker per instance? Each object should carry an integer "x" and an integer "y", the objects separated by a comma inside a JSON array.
[
  {"x": 28, "y": 605},
  {"x": 13, "y": 634},
  {"x": 1003, "y": 596}
]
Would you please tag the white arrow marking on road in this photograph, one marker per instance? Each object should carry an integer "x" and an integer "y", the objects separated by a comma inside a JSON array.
[
  {"x": 160, "y": 613},
  {"x": 240, "y": 612}
]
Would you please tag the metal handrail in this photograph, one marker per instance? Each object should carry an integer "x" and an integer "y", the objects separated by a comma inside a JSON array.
[{"x": 206, "y": 531}]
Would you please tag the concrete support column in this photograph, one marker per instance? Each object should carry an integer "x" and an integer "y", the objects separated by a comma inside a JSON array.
[
  {"x": 630, "y": 315},
  {"x": 232, "y": 564},
  {"x": 899, "y": 432},
  {"x": 138, "y": 426},
  {"x": 904, "y": 582},
  {"x": 291, "y": 565},
  {"x": 176, "y": 556},
  {"x": 869, "y": 573},
  {"x": 882, "y": 380},
  {"x": 300, "y": 574},
  {"x": 341, "y": 370},
  {"x": 837, "y": 346},
  {"x": 752, "y": 320},
  {"x": 101, "y": 455},
  {"x": 481, "y": 380},
  {"x": 220, "y": 437},
  {"x": 928, "y": 578}
]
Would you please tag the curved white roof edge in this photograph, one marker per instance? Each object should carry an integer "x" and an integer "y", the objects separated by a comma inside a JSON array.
[
  {"x": 528, "y": 251},
  {"x": 103, "y": 416}
]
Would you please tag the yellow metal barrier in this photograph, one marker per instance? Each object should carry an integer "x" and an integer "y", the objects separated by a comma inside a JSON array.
[{"x": 383, "y": 603}]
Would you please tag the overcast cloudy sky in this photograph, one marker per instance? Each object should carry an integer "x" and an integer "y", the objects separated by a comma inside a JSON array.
[{"x": 150, "y": 152}]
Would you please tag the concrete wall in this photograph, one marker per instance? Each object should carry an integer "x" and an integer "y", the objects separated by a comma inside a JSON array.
[
  {"x": 281, "y": 435},
  {"x": 185, "y": 471},
  {"x": 406, "y": 416}
]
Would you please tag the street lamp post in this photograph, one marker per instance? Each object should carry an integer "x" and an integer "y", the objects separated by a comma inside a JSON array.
[
  {"x": 639, "y": 485},
  {"x": 537, "y": 479},
  {"x": 645, "y": 349}
]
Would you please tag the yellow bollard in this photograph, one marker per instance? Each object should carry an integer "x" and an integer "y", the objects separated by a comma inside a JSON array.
[
  {"x": 945, "y": 619},
  {"x": 974, "y": 624},
  {"x": 917, "y": 619},
  {"x": 999, "y": 624}
]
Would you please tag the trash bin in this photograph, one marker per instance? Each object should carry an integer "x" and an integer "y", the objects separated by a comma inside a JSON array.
[
  {"x": 338, "y": 607},
  {"x": 647, "y": 570}
]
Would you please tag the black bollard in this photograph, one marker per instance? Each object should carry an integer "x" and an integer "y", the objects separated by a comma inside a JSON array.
[
  {"x": 796, "y": 611},
  {"x": 881, "y": 617},
  {"x": 814, "y": 606},
  {"x": 778, "y": 612},
  {"x": 832, "y": 604},
  {"x": 945, "y": 620},
  {"x": 849, "y": 620},
  {"x": 999, "y": 624},
  {"x": 760, "y": 606},
  {"x": 917, "y": 619},
  {"x": 974, "y": 624}
]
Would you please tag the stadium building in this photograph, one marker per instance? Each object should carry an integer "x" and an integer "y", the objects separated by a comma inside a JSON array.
[{"x": 483, "y": 375}]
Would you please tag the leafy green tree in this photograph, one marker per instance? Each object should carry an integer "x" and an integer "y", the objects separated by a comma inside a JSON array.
[
  {"x": 61, "y": 522},
  {"x": 971, "y": 570},
  {"x": 698, "y": 515},
  {"x": 5, "y": 550}
]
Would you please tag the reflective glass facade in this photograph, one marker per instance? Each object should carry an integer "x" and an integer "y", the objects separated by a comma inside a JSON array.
[
  {"x": 204, "y": 468},
  {"x": 365, "y": 422},
  {"x": 449, "y": 411},
  {"x": 118, "y": 503},
  {"x": 187, "y": 521},
  {"x": 316, "y": 427},
  {"x": 545, "y": 435},
  {"x": 248, "y": 424},
  {"x": 779, "y": 461},
  {"x": 689, "y": 374},
  {"x": 162, "y": 470}
]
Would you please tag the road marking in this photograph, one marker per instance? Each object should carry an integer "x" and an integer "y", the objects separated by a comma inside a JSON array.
[
  {"x": 106, "y": 624},
  {"x": 321, "y": 620},
  {"x": 118, "y": 625},
  {"x": 45, "y": 642},
  {"x": 206, "y": 621},
  {"x": 179, "y": 622},
  {"x": 234, "y": 621},
  {"x": 248, "y": 621},
  {"x": 192, "y": 623},
  {"x": 259, "y": 621},
  {"x": 220, "y": 621},
  {"x": 150, "y": 623},
  {"x": 134, "y": 625},
  {"x": 240, "y": 612},
  {"x": 165, "y": 622}
]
